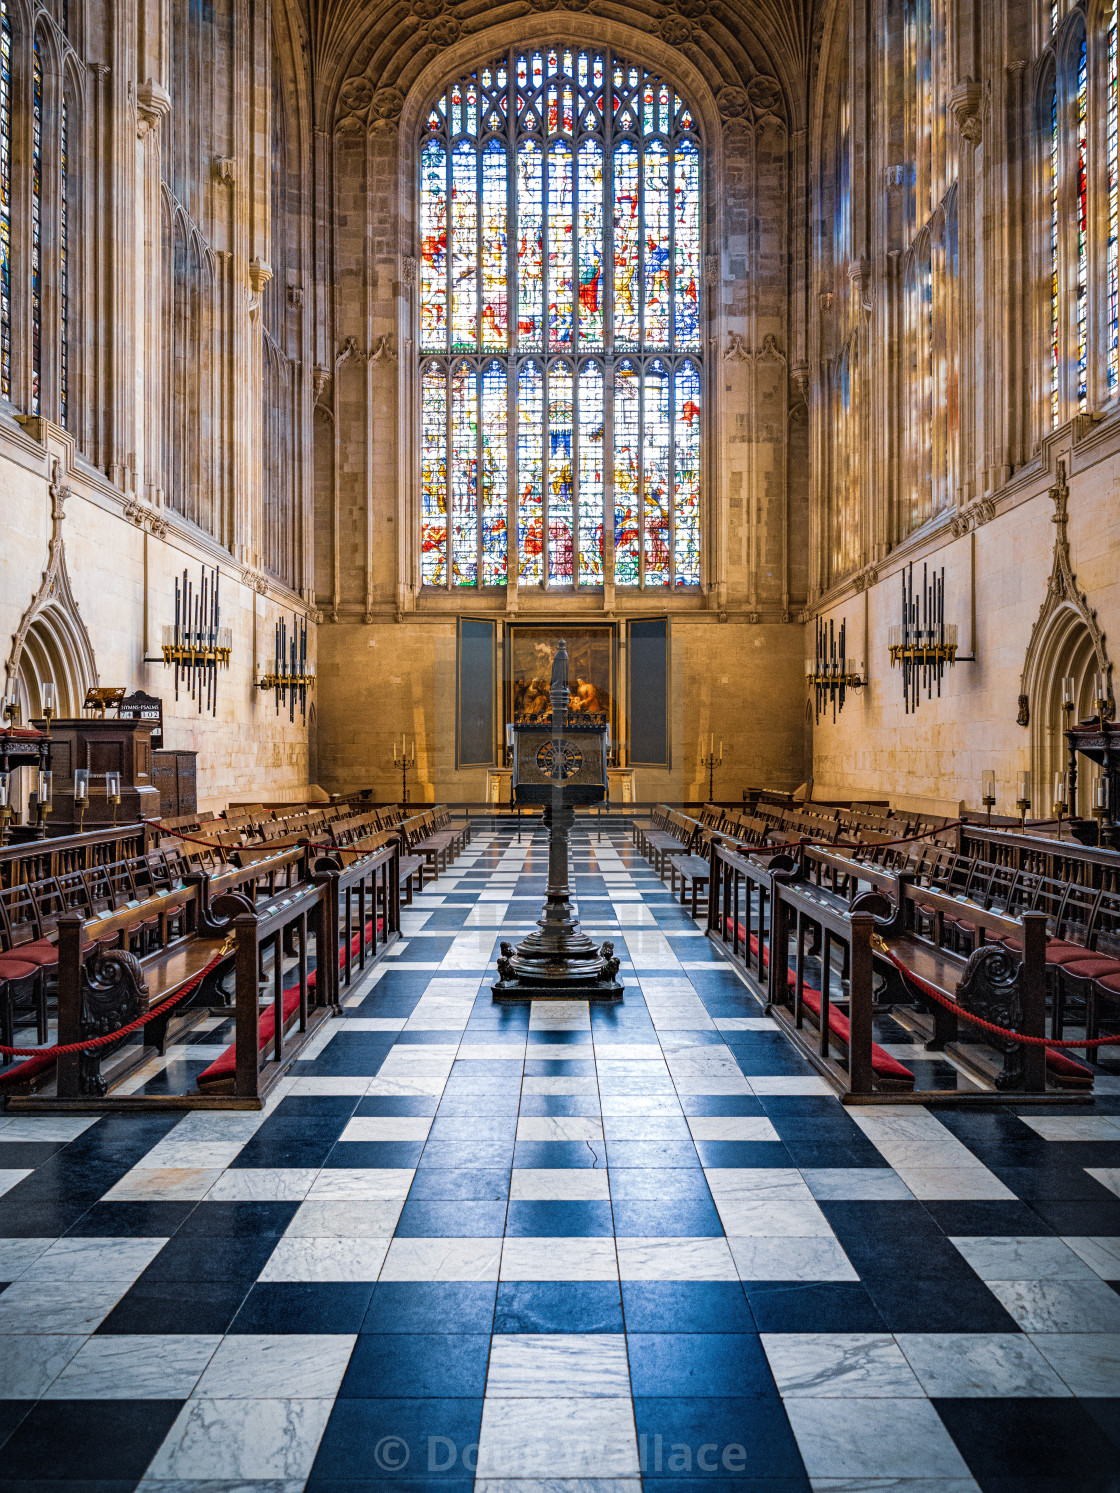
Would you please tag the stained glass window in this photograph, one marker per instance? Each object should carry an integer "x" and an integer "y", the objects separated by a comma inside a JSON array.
[
  {"x": 1055, "y": 299},
  {"x": 5, "y": 203},
  {"x": 1082, "y": 298},
  {"x": 63, "y": 278},
  {"x": 1111, "y": 266},
  {"x": 36, "y": 227},
  {"x": 561, "y": 373}
]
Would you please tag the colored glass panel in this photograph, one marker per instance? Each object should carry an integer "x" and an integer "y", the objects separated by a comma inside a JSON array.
[
  {"x": 464, "y": 245},
  {"x": 494, "y": 474},
  {"x": 561, "y": 477},
  {"x": 686, "y": 475},
  {"x": 560, "y": 300},
  {"x": 1082, "y": 297},
  {"x": 627, "y": 474},
  {"x": 64, "y": 279},
  {"x": 658, "y": 259},
  {"x": 530, "y": 226},
  {"x": 433, "y": 245},
  {"x": 1112, "y": 268},
  {"x": 464, "y": 476},
  {"x": 5, "y": 203},
  {"x": 1055, "y": 304},
  {"x": 656, "y": 473},
  {"x": 36, "y": 228},
  {"x": 686, "y": 244},
  {"x": 495, "y": 300},
  {"x": 590, "y": 219},
  {"x": 530, "y": 472},
  {"x": 627, "y": 243},
  {"x": 591, "y": 432},
  {"x": 433, "y": 475}
]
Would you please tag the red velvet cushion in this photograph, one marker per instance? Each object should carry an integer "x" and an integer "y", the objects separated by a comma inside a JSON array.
[
  {"x": 16, "y": 969},
  {"x": 226, "y": 1065},
  {"x": 1065, "y": 1066},
  {"x": 1092, "y": 967},
  {"x": 1110, "y": 983},
  {"x": 42, "y": 952},
  {"x": 838, "y": 1024}
]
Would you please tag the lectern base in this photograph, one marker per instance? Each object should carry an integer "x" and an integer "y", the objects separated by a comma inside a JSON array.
[{"x": 600, "y": 991}]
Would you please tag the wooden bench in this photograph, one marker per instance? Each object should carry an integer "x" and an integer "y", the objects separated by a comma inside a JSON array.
[{"x": 694, "y": 872}]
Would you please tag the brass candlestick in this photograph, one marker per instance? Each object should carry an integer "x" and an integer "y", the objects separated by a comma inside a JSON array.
[
  {"x": 113, "y": 792},
  {"x": 12, "y": 712}
]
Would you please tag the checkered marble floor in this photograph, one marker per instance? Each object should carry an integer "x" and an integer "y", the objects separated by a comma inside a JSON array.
[{"x": 532, "y": 1249}]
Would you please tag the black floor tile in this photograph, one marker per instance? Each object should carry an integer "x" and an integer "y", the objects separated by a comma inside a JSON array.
[
  {"x": 685, "y": 1306},
  {"x": 447, "y": 1219},
  {"x": 747, "y": 1438},
  {"x": 88, "y": 1440},
  {"x": 132, "y": 1220},
  {"x": 164, "y": 1307},
  {"x": 417, "y": 1365},
  {"x": 812, "y": 1306},
  {"x": 298, "y": 1306},
  {"x": 238, "y": 1220},
  {"x": 213, "y": 1259},
  {"x": 558, "y": 1306},
  {"x": 546, "y": 1220},
  {"x": 434, "y": 1439},
  {"x": 417, "y": 1306},
  {"x": 707, "y": 1364},
  {"x": 1029, "y": 1438}
]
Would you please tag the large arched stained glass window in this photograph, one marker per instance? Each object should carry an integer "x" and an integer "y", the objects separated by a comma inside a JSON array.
[{"x": 560, "y": 352}]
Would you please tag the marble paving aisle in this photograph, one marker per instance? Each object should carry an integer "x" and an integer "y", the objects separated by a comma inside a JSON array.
[{"x": 528, "y": 1249}]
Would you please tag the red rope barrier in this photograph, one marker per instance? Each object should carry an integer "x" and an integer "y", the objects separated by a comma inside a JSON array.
[
  {"x": 124, "y": 1031},
  {"x": 987, "y": 1026}
]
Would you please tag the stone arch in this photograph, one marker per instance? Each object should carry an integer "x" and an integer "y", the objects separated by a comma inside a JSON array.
[{"x": 1065, "y": 648}]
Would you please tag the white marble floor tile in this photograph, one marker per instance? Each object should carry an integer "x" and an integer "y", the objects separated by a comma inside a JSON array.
[
  {"x": 559, "y": 1127},
  {"x": 1088, "y": 1362},
  {"x": 961, "y": 1184},
  {"x": 442, "y": 1259},
  {"x": 329, "y": 1085},
  {"x": 834, "y": 1365},
  {"x": 1107, "y": 1176},
  {"x": 145, "y": 1184},
  {"x": 77, "y": 1259},
  {"x": 790, "y": 1257},
  {"x": 732, "y": 1127},
  {"x": 1007, "y": 1257},
  {"x": 387, "y": 1128},
  {"x": 30, "y": 1362},
  {"x": 996, "y": 1365},
  {"x": 351, "y": 1219},
  {"x": 44, "y": 1127},
  {"x": 261, "y": 1367},
  {"x": 714, "y": 1084},
  {"x": 17, "y": 1255},
  {"x": 558, "y": 1438},
  {"x": 370, "y": 1024},
  {"x": 26, "y": 1306},
  {"x": 1075, "y": 1127},
  {"x": 558, "y": 1485},
  {"x": 248, "y": 1440},
  {"x": 856, "y": 1184},
  {"x": 418, "y": 1086},
  {"x": 135, "y": 1366},
  {"x": 491, "y": 1052},
  {"x": 1051, "y": 1305},
  {"x": 566, "y": 1258},
  {"x": 739, "y": 1023},
  {"x": 1100, "y": 1252},
  {"x": 793, "y": 1086},
  {"x": 320, "y": 1258},
  {"x": 646, "y": 1127},
  {"x": 368, "y": 1184},
  {"x": 615, "y": 1105},
  {"x": 580, "y": 1184},
  {"x": 556, "y": 1365},
  {"x": 688, "y": 1259},
  {"x": 873, "y": 1438},
  {"x": 556, "y": 1084},
  {"x": 247, "y": 1184}
]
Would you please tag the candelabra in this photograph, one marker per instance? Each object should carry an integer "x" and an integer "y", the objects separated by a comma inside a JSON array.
[
  {"x": 81, "y": 794},
  {"x": 988, "y": 794},
  {"x": 113, "y": 792},
  {"x": 45, "y": 804},
  {"x": 829, "y": 673},
  {"x": 197, "y": 644},
  {"x": 1023, "y": 802},
  {"x": 404, "y": 758},
  {"x": 925, "y": 644},
  {"x": 709, "y": 761},
  {"x": 291, "y": 675},
  {"x": 1060, "y": 799}
]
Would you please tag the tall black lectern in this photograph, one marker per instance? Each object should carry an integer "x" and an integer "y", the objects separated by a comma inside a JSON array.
[{"x": 559, "y": 763}]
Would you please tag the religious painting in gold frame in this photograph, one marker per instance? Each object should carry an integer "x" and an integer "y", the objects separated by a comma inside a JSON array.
[{"x": 530, "y": 649}]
